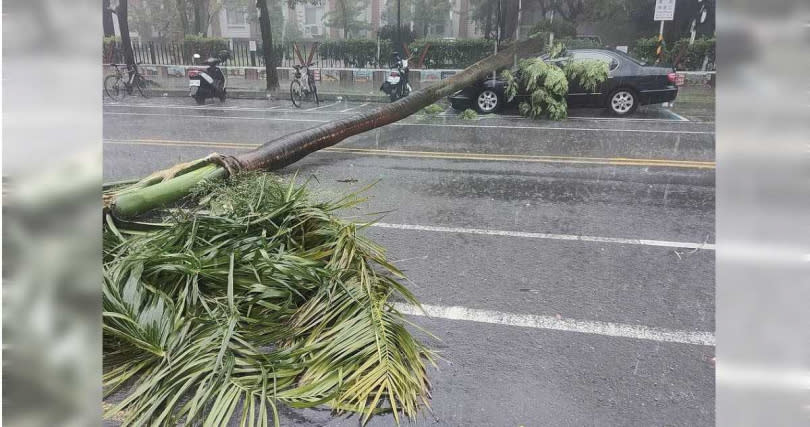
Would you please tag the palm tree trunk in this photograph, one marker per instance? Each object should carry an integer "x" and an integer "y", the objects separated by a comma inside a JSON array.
[
  {"x": 267, "y": 45},
  {"x": 288, "y": 149},
  {"x": 107, "y": 19},
  {"x": 123, "y": 26}
]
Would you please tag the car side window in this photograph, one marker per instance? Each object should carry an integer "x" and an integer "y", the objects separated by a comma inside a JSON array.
[{"x": 613, "y": 63}]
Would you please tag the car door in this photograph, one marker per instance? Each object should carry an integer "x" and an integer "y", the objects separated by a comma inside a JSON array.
[{"x": 578, "y": 96}]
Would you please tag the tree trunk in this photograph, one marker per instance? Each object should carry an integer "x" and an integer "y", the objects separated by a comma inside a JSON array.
[
  {"x": 182, "y": 14},
  {"x": 488, "y": 22},
  {"x": 123, "y": 26},
  {"x": 288, "y": 149},
  {"x": 267, "y": 45},
  {"x": 200, "y": 17},
  {"x": 107, "y": 19}
]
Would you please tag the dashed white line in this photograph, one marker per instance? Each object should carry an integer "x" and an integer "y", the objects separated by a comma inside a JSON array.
[
  {"x": 323, "y": 106},
  {"x": 560, "y": 128},
  {"x": 610, "y": 329},
  {"x": 354, "y": 108},
  {"x": 550, "y": 236},
  {"x": 269, "y": 119}
]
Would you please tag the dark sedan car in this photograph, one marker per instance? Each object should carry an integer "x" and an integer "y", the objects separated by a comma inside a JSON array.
[{"x": 630, "y": 83}]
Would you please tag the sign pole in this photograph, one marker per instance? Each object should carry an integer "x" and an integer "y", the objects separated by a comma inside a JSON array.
[
  {"x": 660, "y": 49},
  {"x": 664, "y": 11}
]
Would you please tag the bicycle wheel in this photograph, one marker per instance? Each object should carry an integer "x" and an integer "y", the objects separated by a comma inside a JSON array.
[
  {"x": 144, "y": 86},
  {"x": 113, "y": 87},
  {"x": 296, "y": 93}
]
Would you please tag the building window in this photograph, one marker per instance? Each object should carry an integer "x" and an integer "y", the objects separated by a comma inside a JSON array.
[
  {"x": 236, "y": 16},
  {"x": 310, "y": 16}
]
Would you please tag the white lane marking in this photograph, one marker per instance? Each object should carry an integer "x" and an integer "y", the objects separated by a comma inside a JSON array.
[
  {"x": 270, "y": 119},
  {"x": 354, "y": 108},
  {"x": 680, "y": 132},
  {"x": 609, "y": 329},
  {"x": 323, "y": 106},
  {"x": 606, "y": 119},
  {"x": 677, "y": 116},
  {"x": 643, "y": 242},
  {"x": 446, "y": 113}
]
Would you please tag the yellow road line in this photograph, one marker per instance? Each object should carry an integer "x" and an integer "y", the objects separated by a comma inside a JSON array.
[{"x": 613, "y": 161}]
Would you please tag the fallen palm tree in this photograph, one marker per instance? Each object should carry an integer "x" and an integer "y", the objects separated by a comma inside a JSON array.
[
  {"x": 165, "y": 187},
  {"x": 252, "y": 294},
  {"x": 257, "y": 297}
]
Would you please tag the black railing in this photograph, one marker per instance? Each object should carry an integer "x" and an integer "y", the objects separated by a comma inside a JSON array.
[
  {"x": 168, "y": 53},
  {"x": 171, "y": 53}
]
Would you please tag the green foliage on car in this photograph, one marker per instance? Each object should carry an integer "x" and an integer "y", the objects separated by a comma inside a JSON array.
[{"x": 546, "y": 82}]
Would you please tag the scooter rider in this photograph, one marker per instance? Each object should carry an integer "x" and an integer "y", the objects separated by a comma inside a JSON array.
[{"x": 403, "y": 74}]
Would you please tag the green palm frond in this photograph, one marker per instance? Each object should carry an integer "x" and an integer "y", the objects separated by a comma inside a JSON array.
[
  {"x": 547, "y": 82},
  {"x": 259, "y": 297},
  {"x": 589, "y": 72}
]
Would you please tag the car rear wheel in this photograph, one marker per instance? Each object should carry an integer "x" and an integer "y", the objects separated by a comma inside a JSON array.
[
  {"x": 622, "y": 102},
  {"x": 487, "y": 101}
]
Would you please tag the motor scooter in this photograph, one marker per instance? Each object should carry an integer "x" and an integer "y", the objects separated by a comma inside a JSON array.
[
  {"x": 210, "y": 83},
  {"x": 396, "y": 84}
]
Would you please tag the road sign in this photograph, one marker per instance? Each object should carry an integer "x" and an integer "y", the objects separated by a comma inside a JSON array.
[
  {"x": 664, "y": 10},
  {"x": 252, "y": 45}
]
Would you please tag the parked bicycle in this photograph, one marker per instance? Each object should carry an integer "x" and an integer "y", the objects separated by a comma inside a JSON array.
[
  {"x": 302, "y": 87},
  {"x": 125, "y": 80}
]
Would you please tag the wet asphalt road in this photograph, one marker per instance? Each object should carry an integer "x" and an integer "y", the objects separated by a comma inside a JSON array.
[{"x": 508, "y": 174}]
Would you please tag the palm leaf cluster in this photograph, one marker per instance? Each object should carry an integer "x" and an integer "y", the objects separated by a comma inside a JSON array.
[
  {"x": 546, "y": 82},
  {"x": 260, "y": 297}
]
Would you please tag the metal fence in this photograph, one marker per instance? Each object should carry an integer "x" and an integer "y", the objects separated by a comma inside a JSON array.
[{"x": 171, "y": 53}]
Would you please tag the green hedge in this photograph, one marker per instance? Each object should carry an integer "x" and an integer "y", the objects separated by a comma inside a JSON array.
[
  {"x": 678, "y": 54},
  {"x": 206, "y": 46},
  {"x": 452, "y": 53},
  {"x": 109, "y": 50},
  {"x": 685, "y": 57},
  {"x": 360, "y": 53}
]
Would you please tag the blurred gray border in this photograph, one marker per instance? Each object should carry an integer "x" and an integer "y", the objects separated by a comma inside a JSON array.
[
  {"x": 52, "y": 125},
  {"x": 763, "y": 226}
]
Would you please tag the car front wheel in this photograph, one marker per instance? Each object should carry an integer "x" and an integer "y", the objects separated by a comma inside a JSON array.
[
  {"x": 622, "y": 102},
  {"x": 487, "y": 101}
]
